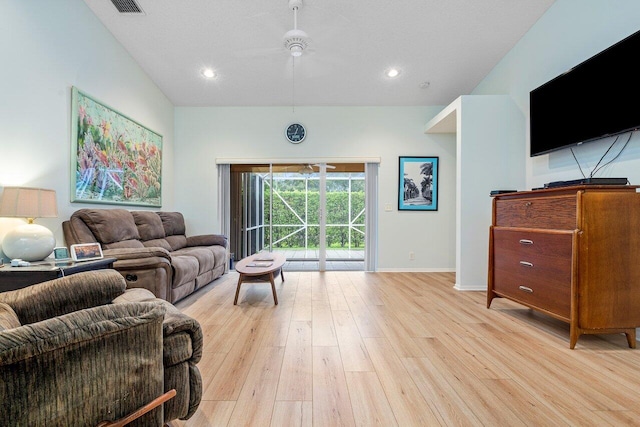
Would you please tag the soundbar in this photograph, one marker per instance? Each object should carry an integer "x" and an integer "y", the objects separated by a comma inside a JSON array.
[{"x": 588, "y": 181}]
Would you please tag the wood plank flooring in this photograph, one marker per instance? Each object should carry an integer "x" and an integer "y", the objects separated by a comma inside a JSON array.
[{"x": 399, "y": 349}]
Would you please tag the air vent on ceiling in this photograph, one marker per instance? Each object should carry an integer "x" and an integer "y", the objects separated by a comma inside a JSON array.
[{"x": 127, "y": 6}]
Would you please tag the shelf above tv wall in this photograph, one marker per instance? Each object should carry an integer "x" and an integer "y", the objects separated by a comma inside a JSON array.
[{"x": 445, "y": 121}]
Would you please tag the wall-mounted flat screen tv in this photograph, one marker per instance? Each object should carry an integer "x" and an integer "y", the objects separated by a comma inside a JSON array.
[{"x": 595, "y": 99}]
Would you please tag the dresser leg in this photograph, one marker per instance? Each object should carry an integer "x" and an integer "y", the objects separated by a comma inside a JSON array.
[
  {"x": 490, "y": 297},
  {"x": 573, "y": 334},
  {"x": 631, "y": 337}
]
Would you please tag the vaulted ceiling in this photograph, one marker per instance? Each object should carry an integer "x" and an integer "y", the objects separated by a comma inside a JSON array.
[{"x": 442, "y": 48}]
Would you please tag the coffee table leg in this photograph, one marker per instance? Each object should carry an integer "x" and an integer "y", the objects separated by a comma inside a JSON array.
[
  {"x": 235, "y": 301},
  {"x": 282, "y": 274},
  {"x": 273, "y": 288}
]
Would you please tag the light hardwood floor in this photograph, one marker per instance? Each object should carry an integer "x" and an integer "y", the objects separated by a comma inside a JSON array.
[{"x": 399, "y": 349}]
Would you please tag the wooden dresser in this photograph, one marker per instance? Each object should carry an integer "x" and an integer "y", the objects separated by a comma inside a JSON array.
[{"x": 572, "y": 253}]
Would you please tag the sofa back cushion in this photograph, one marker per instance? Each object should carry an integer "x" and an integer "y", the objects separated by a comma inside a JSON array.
[
  {"x": 174, "y": 229},
  {"x": 109, "y": 225},
  {"x": 149, "y": 225},
  {"x": 173, "y": 223}
]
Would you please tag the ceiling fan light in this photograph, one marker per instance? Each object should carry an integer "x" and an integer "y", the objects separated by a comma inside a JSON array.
[
  {"x": 306, "y": 170},
  {"x": 296, "y": 50}
]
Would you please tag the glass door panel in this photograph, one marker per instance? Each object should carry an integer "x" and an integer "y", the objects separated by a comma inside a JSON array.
[{"x": 316, "y": 219}]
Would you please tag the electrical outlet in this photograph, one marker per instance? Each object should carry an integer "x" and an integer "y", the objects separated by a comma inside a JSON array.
[
  {"x": 387, "y": 207},
  {"x": 412, "y": 256}
]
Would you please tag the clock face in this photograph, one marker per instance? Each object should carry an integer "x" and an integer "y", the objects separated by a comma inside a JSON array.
[{"x": 295, "y": 133}]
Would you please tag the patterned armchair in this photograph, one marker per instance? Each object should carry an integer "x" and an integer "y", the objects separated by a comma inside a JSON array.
[{"x": 82, "y": 349}]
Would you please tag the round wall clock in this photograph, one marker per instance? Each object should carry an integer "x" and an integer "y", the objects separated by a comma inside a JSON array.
[{"x": 295, "y": 133}]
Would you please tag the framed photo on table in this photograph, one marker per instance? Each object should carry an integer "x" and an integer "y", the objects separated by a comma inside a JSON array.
[
  {"x": 86, "y": 251},
  {"x": 418, "y": 184}
]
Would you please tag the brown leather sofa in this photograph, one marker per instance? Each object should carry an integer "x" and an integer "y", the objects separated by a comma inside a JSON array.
[
  {"x": 83, "y": 349},
  {"x": 152, "y": 249}
]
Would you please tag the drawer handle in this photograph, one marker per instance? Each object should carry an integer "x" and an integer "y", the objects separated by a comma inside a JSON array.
[
  {"x": 526, "y": 264},
  {"x": 526, "y": 242},
  {"x": 524, "y": 288},
  {"x": 131, "y": 277}
]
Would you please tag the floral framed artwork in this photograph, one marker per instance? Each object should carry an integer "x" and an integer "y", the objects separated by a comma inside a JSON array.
[
  {"x": 114, "y": 159},
  {"x": 418, "y": 184}
]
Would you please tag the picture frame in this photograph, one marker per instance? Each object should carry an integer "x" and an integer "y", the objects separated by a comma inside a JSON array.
[
  {"x": 61, "y": 253},
  {"x": 114, "y": 159},
  {"x": 418, "y": 183},
  {"x": 86, "y": 251}
]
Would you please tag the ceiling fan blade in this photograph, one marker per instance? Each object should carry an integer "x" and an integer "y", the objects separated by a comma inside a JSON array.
[{"x": 328, "y": 166}]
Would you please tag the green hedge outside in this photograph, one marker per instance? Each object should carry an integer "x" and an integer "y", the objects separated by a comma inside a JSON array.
[{"x": 337, "y": 213}]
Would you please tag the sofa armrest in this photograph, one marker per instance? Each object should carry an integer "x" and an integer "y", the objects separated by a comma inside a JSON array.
[
  {"x": 81, "y": 367},
  {"x": 207, "y": 240},
  {"x": 64, "y": 295}
]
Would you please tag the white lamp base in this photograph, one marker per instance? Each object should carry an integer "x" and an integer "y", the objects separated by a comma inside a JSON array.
[{"x": 29, "y": 242}]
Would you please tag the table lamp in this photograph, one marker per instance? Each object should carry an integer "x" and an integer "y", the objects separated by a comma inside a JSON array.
[{"x": 29, "y": 242}]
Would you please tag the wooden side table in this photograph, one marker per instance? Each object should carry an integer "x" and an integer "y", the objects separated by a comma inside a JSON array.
[{"x": 12, "y": 278}]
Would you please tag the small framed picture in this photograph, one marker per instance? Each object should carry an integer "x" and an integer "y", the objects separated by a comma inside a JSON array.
[
  {"x": 86, "y": 251},
  {"x": 418, "y": 184},
  {"x": 61, "y": 253}
]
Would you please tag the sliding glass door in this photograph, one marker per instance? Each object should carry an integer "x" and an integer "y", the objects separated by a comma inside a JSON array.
[{"x": 313, "y": 213}]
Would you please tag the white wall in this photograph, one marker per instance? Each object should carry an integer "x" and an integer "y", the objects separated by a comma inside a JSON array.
[
  {"x": 204, "y": 134},
  {"x": 47, "y": 47},
  {"x": 570, "y": 32}
]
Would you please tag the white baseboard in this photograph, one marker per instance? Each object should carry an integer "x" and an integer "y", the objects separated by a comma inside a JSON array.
[{"x": 416, "y": 270}]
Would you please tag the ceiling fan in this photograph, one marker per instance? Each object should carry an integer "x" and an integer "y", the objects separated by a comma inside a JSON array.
[
  {"x": 308, "y": 168},
  {"x": 296, "y": 40}
]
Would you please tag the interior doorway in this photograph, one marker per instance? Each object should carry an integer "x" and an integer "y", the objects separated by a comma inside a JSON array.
[{"x": 313, "y": 213}]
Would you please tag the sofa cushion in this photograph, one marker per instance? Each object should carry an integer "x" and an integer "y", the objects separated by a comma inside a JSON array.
[
  {"x": 110, "y": 225},
  {"x": 173, "y": 223},
  {"x": 8, "y": 317},
  {"x": 185, "y": 269},
  {"x": 157, "y": 243},
  {"x": 176, "y": 242},
  {"x": 205, "y": 257},
  {"x": 124, "y": 244},
  {"x": 149, "y": 225}
]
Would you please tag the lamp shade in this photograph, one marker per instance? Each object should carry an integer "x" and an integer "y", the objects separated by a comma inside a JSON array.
[
  {"x": 29, "y": 242},
  {"x": 25, "y": 202}
]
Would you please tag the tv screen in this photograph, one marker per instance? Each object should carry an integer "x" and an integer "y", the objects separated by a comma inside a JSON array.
[{"x": 588, "y": 102}]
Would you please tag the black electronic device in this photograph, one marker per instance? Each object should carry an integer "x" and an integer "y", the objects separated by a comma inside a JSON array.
[
  {"x": 497, "y": 192},
  {"x": 588, "y": 101},
  {"x": 587, "y": 181}
]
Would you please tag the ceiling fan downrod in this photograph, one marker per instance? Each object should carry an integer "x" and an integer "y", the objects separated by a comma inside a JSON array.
[{"x": 295, "y": 40}]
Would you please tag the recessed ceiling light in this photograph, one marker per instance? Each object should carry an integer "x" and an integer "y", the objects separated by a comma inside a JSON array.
[
  {"x": 209, "y": 73},
  {"x": 392, "y": 73}
]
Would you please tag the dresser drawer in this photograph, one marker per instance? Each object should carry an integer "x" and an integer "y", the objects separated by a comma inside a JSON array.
[
  {"x": 549, "y": 212},
  {"x": 534, "y": 267}
]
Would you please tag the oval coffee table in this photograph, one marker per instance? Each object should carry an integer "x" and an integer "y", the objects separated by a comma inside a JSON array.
[{"x": 260, "y": 267}]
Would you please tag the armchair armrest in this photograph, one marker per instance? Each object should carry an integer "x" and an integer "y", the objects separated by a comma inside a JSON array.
[
  {"x": 174, "y": 323},
  {"x": 50, "y": 370},
  {"x": 64, "y": 295},
  {"x": 207, "y": 240}
]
